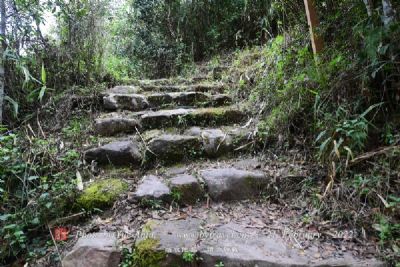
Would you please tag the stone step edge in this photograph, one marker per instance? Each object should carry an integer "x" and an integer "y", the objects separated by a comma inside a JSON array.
[
  {"x": 229, "y": 244},
  {"x": 129, "y": 122},
  {"x": 146, "y": 149},
  {"x": 139, "y": 102}
]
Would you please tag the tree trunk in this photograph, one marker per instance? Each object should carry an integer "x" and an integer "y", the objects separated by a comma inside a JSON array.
[
  {"x": 369, "y": 6},
  {"x": 2, "y": 48},
  {"x": 388, "y": 12},
  {"x": 313, "y": 22}
]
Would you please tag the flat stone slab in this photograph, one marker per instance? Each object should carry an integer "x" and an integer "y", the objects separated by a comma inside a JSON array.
[
  {"x": 124, "y": 89},
  {"x": 178, "y": 99},
  {"x": 233, "y": 245},
  {"x": 94, "y": 250},
  {"x": 170, "y": 148},
  {"x": 217, "y": 142},
  {"x": 233, "y": 184},
  {"x": 118, "y": 153},
  {"x": 163, "y": 118},
  {"x": 191, "y": 117},
  {"x": 218, "y": 88},
  {"x": 151, "y": 187},
  {"x": 176, "y": 80},
  {"x": 132, "y": 102},
  {"x": 187, "y": 187},
  {"x": 127, "y": 122},
  {"x": 137, "y": 102},
  {"x": 114, "y": 123}
]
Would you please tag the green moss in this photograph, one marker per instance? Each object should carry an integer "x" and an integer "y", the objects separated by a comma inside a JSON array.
[
  {"x": 147, "y": 228},
  {"x": 101, "y": 194},
  {"x": 213, "y": 116},
  {"x": 147, "y": 255}
]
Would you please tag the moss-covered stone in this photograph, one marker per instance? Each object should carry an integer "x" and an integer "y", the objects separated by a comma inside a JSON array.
[
  {"x": 101, "y": 194},
  {"x": 147, "y": 255},
  {"x": 214, "y": 116}
]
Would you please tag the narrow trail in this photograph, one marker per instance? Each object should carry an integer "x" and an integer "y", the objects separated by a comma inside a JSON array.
[{"x": 193, "y": 148}]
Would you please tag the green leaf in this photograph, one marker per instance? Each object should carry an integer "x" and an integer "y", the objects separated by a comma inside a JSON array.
[
  {"x": 35, "y": 221},
  {"x": 322, "y": 147},
  {"x": 43, "y": 75},
  {"x": 14, "y": 104},
  {"x": 369, "y": 109},
  {"x": 5, "y": 217},
  {"x": 41, "y": 93},
  {"x": 321, "y": 134}
]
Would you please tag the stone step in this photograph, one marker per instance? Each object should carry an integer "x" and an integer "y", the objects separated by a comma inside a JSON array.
[
  {"x": 221, "y": 181},
  {"x": 128, "y": 122},
  {"x": 157, "y": 146},
  {"x": 166, "y": 88},
  {"x": 220, "y": 184},
  {"x": 233, "y": 244},
  {"x": 138, "y": 102},
  {"x": 211, "y": 88},
  {"x": 119, "y": 153},
  {"x": 94, "y": 250},
  {"x": 173, "y": 81},
  {"x": 226, "y": 180}
]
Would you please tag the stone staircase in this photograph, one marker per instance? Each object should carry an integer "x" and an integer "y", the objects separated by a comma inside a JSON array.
[{"x": 189, "y": 139}]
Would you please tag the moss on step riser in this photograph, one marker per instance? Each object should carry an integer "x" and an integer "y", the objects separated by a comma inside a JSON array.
[
  {"x": 146, "y": 254},
  {"x": 198, "y": 117},
  {"x": 101, "y": 194}
]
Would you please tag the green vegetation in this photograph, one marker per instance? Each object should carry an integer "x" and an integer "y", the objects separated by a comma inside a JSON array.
[
  {"x": 339, "y": 108},
  {"x": 101, "y": 194},
  {"x": 144, "y": 254},
  {"x": 37, "y": 185}
]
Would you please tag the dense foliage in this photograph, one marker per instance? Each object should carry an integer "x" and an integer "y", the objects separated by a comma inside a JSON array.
[{"x": 335, "y": 107}]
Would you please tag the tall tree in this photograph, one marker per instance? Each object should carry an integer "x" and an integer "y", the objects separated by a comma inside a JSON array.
[{"x": 2, "y": 48}]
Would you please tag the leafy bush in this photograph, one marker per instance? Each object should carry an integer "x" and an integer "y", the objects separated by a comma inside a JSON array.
[{"x": 35, "y": 187}]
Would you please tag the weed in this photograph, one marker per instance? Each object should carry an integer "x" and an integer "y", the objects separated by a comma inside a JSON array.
[
  {"x": 176, "y": 195},
  {"x": 188, "y": 256},
  {"x": 151, "y": 203}
]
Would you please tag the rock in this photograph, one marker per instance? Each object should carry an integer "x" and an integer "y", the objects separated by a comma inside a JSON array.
[
  {"x": 215, "y": 142},
  {"x": 160, "y": 99},
  {"x": 218, "y": 88},
  {"x": 118, "y": 153},
  {"x": 170, "y": 148},
  {"x": 214, "y": 116},
  {"x": 124, "y": 89},
  {"x": 101, "y": 194},
  {"x": 179, "y": 99},
  {"x": 233, "y": 245},
  {"x": 233, "y": 184},
  {"x": 183, "y": 88},
  {"x": 163, "y": 118},
  {"x": 218, "y": 142},
  {"x": 151, "y": 188},
  {"x": 191, "y": 117},
  {"x": 114, "y": 123},
  {"x": 162, "y": 88},
  {"x": 132, "y": 102},
  {"x": 168, "y": 241},
  {"x": 221, "y": 100},
  {"x": 94, "y": 250},
  {"x": 186, "y": 188}
]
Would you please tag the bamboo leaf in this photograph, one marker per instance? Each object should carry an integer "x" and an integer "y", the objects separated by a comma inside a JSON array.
[
  {"x": 14, "y": 104},
  {"x": 42, "y": 92},
  {"x": 44, "y": 76}
]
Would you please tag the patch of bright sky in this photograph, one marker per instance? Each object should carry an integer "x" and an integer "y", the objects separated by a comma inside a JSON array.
[{"x": 49, "y": 24}]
